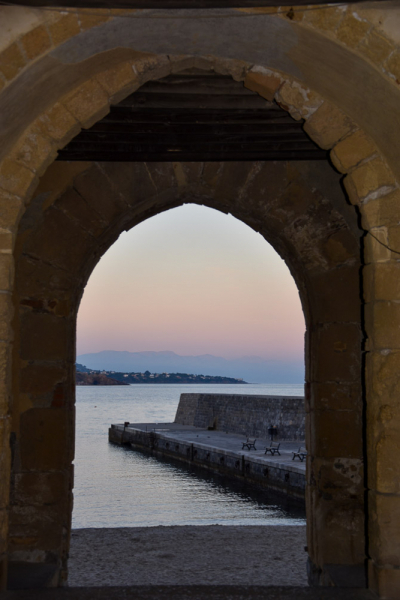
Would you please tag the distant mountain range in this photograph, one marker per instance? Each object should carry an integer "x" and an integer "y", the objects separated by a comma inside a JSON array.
[{"x": 250, "y": 368}]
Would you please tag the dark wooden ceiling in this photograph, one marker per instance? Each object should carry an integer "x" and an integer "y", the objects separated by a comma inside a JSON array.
[
  {"x": 194, "y": 117},
  {"x": 165, "y": 3}
]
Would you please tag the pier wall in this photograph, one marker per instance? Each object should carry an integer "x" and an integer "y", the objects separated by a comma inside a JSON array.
[
  {"x": 246, "y": 415},
  {"x": 259, "y": 470}
]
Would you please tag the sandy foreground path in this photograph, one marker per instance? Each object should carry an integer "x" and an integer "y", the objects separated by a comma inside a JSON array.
[{"x": 188, "y": 555}]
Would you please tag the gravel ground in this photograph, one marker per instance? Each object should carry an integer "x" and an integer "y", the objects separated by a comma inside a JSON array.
[{"x": 188, "y": 555}]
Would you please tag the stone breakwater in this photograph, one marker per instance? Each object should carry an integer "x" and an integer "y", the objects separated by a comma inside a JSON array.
[
  {"x": 217, "y": 451},
  {"x": 245, "y": 415}
]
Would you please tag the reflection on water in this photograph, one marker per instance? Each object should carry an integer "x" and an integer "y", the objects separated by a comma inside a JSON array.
[{"x": 118, "y": 487}]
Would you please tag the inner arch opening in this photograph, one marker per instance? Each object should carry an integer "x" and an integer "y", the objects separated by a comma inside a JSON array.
[{"x": 204, "y": 293}]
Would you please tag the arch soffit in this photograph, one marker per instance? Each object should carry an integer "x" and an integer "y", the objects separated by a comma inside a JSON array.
[
  {"x": 369, "y": 181},
  {"x": 296, "y": 211}
]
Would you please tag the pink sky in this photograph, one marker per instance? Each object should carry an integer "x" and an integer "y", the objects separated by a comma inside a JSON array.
[{"x": 194, "y": 281}]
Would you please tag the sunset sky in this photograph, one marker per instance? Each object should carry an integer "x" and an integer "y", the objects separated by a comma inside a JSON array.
[{"x": 194, "y": 281}]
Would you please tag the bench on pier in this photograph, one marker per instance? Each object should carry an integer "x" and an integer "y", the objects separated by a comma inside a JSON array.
[
  {"x": 301, "y": 453},
  {"x": 250, "y": 443},
  {"x": 273, "y": 448}
]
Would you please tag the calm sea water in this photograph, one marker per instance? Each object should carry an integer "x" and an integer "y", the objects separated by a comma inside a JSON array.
[{"x": 118, "y": 487}]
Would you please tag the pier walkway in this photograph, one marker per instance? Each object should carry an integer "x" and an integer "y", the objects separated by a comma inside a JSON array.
[{"x": 218, "y": 451}]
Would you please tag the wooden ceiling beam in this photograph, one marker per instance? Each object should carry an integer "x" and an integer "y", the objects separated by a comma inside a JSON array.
[{"x": 176, "y": 118}]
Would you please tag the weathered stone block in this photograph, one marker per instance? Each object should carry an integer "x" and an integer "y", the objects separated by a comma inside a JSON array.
[
  {"x": 237, "y": 69},
  {"x": 232, "y": 179},
  {"x": 384, "y": 529},
  {"x": 382, "y": 323},
  {"x": 88, "y": 18},
  {"x": 6, "y": 272},
  {"x": 352, "y": 30},
  {"x": 394, "y": 241},
  {"x": 382, "y": 281},
  {"x": 75, "y": 206},
  {"x": 162, "y": 175},
  {"x": 369, "y": 179},
  {"x": 35, "y": 152},
  {"x": 382, "y": 211},
  {"x": 88, "y": 103},
  {"x": 352, "y": 150},
  {"x": 57, "y": 123},
  {"x": 327, "y": 125},
  {"x": 40, "y": 489},
  {"x": 376, "y": 47},
  {"x": 61, "y": 29},
  {"x": 335, "y": 294},
  {"x": 12, "y": 61},
  {"x": 45, "y": 439},
  {"x": 376, "y": 246},
  {"x": 382, "y": 448},
  {"x": 326, "y": 18},
  {"x": 36, "y": 42},
  {"x": 40, "y": 380},
  {"x": 211, "y": 173},
  {"x": 36, "y": 279},
  {"x": 338, "y": 530},
  {"x": 6, "y": 313},
  {"x": 336, "y": 397},
  {"x": 132, "y": 181},
  {"x": 119, "y": 82},
  {"x": 297, "y": 100},
  {"x": 338, "y": 433},
  {"x": 17, "y": 179},
  {"x": 10, "y": 209},
  {"x": 383, "y": 376},
  {"x": 336, "y": 353},
  {"x": 100, "y": 195},
  {"x": 61, "y": 241},
  {"x": 264, "y": 82},
  {"x": 37, "y": 531},
  {"x": 341, "y": 247},
  {"x": 46, "y": 337},
  {"x": 384, "y": 581},
  {"x": 150, "y": 67}
]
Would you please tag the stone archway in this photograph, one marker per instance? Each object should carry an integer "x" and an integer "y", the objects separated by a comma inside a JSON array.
[
  {"x": 298, "y": 207},
  {"x": 371, "y": 186}
]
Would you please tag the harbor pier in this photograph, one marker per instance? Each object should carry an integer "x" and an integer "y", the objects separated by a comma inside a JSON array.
[{"x": 218, "y": 452}]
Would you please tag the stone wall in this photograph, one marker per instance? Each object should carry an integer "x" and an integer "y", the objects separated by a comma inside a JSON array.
[{"x": 247, "y": 415}]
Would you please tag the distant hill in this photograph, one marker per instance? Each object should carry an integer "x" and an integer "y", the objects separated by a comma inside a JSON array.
[{"x": 250, "y": 368}]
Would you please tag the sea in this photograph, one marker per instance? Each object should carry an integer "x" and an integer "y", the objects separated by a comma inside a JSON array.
[{"x": 119, "y": 487}]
